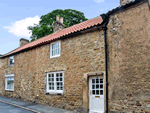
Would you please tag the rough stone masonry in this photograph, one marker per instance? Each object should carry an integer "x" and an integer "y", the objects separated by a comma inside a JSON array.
[{"x": 128, "y": 40}]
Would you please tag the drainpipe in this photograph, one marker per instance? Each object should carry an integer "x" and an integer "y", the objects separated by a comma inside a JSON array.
[{"x": 106, "y": 19}]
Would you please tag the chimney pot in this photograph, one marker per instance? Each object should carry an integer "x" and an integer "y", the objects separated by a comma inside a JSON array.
[
  {"x": 23, "y": 42},
  {"x": 57, "y": 18},
  {"x": 61, "y": 20}
]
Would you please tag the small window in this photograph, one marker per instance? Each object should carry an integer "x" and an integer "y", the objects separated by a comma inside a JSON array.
[
  {"x": 9, "y": 82},
  {"x": 55, "y": 49},
  {"x": 55, "y": 82},
  {"x": 11, "y": 60}
]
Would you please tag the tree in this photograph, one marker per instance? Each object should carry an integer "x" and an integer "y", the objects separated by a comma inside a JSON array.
[{"x": 71, "y": 17}]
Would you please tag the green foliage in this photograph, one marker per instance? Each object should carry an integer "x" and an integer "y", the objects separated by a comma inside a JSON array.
[{"x": 71, "y": 17}]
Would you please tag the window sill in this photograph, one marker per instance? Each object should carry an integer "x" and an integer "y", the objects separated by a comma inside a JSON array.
[
  {"x": 9, "y": 90},
  {"x": 53, "y": 93},
  {"x": 11, "y": 65},
  {"x": 55, "y": 56}
]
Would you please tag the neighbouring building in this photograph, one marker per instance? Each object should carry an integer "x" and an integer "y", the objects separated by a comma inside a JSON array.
[{"x": 100, "y": 65}]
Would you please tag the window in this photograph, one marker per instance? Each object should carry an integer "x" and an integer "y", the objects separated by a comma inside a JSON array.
[
  {"x": 11, "y": 60},
  {"x": 9, "y": 82},
  {"x": 55, "y": 82},
  {"x": 55, "y": 49}
]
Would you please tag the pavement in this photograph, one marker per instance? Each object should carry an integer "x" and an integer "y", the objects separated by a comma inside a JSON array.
[
  {"x": 6, "y": 108},
  {"x": 11, "y": 105}
]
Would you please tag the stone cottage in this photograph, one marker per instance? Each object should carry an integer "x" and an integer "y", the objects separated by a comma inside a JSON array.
[{"x": 100, "y": 65}]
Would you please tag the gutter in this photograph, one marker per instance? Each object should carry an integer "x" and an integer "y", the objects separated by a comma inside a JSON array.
[{"x": 105, "y": 23}]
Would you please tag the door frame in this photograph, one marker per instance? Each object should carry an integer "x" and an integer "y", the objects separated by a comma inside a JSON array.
[{"x": 85, "y": 85}]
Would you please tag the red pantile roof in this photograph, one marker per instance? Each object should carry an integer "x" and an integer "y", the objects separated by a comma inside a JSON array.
[{"x": 64, "y": 32}]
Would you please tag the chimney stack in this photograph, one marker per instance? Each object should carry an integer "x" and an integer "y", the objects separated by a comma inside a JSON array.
[
  {"x": 124, "y": 2},
  {"x": 61, "y": 20},
  {"x": 23, "y": 42},
  {"x": 58, "y": 24},
  {"x": 57, "y": 18}
]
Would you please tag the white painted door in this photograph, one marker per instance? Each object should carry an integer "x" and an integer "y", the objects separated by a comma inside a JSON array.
[{"x": 96, "y": 94}]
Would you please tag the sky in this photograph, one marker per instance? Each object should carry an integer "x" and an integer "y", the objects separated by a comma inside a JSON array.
[{"x": 17, "y": 15}]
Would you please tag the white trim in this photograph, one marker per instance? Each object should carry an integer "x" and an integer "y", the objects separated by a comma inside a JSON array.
[
  {"x": 55, "y": 91},
  {"x": 9, "y": 89},
  {"x": 7, "y": 76},
  {"x": 10, "y": 75},
  {"x": 51, "y": 49}
]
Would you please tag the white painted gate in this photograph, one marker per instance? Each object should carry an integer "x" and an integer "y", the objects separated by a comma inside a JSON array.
[{"x": 96, "y": 94}]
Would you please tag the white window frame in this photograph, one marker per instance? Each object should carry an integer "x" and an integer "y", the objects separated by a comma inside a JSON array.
[
  {"x": 55, "y": 91},
  {"x": 8, "y": 76},
  {"x": 51, "y": 49},
  {"x": 13, "y": 61}
]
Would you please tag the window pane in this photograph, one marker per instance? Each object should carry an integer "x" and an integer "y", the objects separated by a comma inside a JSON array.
[
  {"x": 97, "y": 80},
  {"x": 58, "y": 51},
  {"x": 57, "y": 79},
  {"x": 11, "y": 60},
  {"x": 97, "y": 92},
  {"x": 101, "y": 92},
  {"x": 57, "y": 83},
  {"x": 101, "y": 86},
  {"x": 97, "y": 86},
  {"x": 57, "y": 74},
  {"x": 61, "y": 84},
  {"x": 57, "y": 88},
  {"x": 58, "y": 44},
  {"x": 93, "y": 92},
  {"x": 93, "y": 86},
  {"x": 61, "y": 79},
  {"x": 101, "y": 80},
  {"x": 10, "y": 85},
  {"x": 53, "y": 46},
  {"x": 93, "y": 80},
  {"x": 52, "y": 79},
  {"x": 52, "y": 53}
]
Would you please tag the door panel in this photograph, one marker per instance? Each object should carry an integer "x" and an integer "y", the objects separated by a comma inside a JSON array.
[{"x": 96, "y": 94}]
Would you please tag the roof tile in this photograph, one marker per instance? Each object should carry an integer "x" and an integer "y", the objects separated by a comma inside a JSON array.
[{"x": 64, "y": 32}]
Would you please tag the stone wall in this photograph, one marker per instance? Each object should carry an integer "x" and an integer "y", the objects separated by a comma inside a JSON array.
[
  {"x": 79, "y": 55},
  {"x": 129, "y": 60},
  {"x": 0, "y": 75}
]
